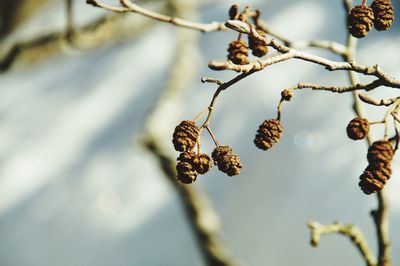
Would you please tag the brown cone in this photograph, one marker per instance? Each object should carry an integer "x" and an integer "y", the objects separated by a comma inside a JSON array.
[
  {"x": 257, "y": 47},
  {"x": 374, "y": 178},
  {"x": 380, "y": 152},
  {"x": 186, "y": 169},
  {"x": 233, "y": 11},
  {"x": 384, "y": 14},
  {"x": 185, "y": 135},
  {"x": 269, "y": 133},
  {"x": 202, "y": 163},
  {"x": 287, "y": 95},
  {"x": 227, "y": 161},
  {"x": 357, "y": 128},
  {"x": 361, "y": 20},
  {"x": 237, "y": 52}
]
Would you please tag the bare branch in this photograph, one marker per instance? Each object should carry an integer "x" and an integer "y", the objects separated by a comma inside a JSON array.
[
  {"x": 336, "y": 89},
  {"x": 289, "y": 53},
  {"x": 354, "y": 234},
  {"x": 382, "y": 102},
  {"x": 95, "y": 34},
  {"x": 128, "y": 6}
]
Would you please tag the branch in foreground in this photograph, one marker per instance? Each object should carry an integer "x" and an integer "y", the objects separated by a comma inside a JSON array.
[
  {"x": 382, "y": 102},
  {"x": 288, "y": 53},
  {"x": 381, "y": 219},
  {"x": 128, "y": 6},
  {"x": 352, "y": 232},
  {"x": 336, "y": 89}
]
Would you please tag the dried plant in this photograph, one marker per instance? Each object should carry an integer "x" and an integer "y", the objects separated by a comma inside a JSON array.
[{"x": 255, "y": 35}]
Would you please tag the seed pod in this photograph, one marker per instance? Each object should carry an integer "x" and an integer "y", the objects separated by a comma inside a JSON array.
[
  {"x": 186, "y": 168},
  {"x": 233, "y": 11},
  {"x": 227, "y": 161},
  {"x": 185, "y": 135},
  {"x": 384, "y": 14},
  {"x": 257, "y": 47},
  {"x": 287, "y": 95},
  {"x": 269, "y": 133},
  {"x": 357, "y": 128},
  {"x": 237, "y": 52},
  {"x": 380, "y": 151},
  {"x": 202, "y": 163},
  {"x": 374, "y": 178},
  {"x": 361, "y": 20}
]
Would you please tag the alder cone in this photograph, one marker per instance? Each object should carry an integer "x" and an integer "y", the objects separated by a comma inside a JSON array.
[
  {"x": 227, "y": 161},
  {"x": 233, "y": 11},
  {"x": 269, "y": 133},
  {"x": 374, "y": 178},
  {"x": 237, "y": 52},
  {"x": 185, "y": 136},
  {"x": 383, "y": 13},
  {"x": 257, "y": 47},
  {"x": 357, "y": 128},
  {"x": 202, "y": 163},
  {"x": 380, "y": 152},
  {"x": 186, "y": 168},
  {"x": 361, "y": 21},
  {"x": 287, "y": 95}
]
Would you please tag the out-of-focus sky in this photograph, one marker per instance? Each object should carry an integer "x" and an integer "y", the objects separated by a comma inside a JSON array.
[{"x": 76, "y": 189}]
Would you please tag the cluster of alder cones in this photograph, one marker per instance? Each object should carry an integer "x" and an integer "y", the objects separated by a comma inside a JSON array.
[
  {"x": 380, "y": 155},
  {"x": 191, "y": 163},
  {"x": 238, "y": 49},
  {"x": 363, "y": 18}
]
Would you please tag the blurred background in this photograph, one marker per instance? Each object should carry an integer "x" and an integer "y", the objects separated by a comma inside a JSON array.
[{"x": 78, "y": 188}]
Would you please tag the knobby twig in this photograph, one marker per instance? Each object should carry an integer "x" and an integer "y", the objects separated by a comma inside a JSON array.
[
  {"x": 128, "y": 6},
  {"x": 289, "y": 53},
  {"x": 354, "y": 234},
  {"x": 381, "y": 102}
]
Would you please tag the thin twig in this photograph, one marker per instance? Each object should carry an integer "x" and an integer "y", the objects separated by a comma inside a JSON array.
[
  {"x": 354, "y": 234},
  {"x": 128, "y": 6},
  {"x": 381, "y": 102}
]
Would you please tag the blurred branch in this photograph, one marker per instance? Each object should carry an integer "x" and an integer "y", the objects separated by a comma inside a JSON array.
[
  {"x": 354, "y": 234},
  {"x": 199, "y": 211},
  {"x": 70, "y": 20},
  {"x": 334, "y": 47},
  {"x": 106, "y": 29}
]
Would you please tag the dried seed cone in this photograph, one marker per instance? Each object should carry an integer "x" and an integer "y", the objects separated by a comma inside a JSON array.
[
  {"x": 287, "y": 95},
  {"x": 361, "y": 21},
  {"x": 269, "y": 133},
  {"x": 186, "y": 168},
  {"x": 380, "y": 152},
  {"x": 227, "y": 161},
  {"x": 384, "y": 14},
  {"x": 233, "y": 11},
  {"x": 202, "y": 163},
  {"x": 374, "y": 178},
  {"x": 257, "y": 47},
  {"x": 185, "y": 135},
  {"x": 237, "y": 52},
  {"x": 357, "y": 128}
]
